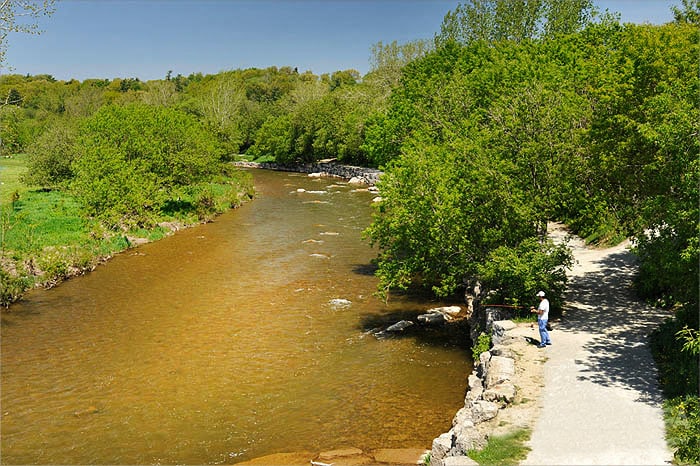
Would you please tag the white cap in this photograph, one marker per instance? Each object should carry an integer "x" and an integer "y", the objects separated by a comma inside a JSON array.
[{"x": 540, "y": 294}]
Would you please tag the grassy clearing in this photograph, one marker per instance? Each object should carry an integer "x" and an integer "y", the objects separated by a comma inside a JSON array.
[
  {"x": 11, "y": 170},
  {"x": 503, "y": 450}
]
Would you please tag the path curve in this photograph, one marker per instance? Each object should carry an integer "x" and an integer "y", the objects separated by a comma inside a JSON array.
[{"x": 601, "y": 403}]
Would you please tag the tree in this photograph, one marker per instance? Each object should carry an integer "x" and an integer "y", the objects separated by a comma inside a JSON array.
[
  {"x": 21, "y": 16},
  {"x": 387, "y": 61},
  {"x": 221, "y": 103},
  {"x": 51, "y": 156},
  {"x": 514, "y": 20},
  {"x": 445, "y": 209},
  {"x": 131, "y": 159},
  {"x": 690, "y": 13},
  {"x": 344, "y": 78}
]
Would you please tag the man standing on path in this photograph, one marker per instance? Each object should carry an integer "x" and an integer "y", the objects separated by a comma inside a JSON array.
[{"x": 542, "y": 318}]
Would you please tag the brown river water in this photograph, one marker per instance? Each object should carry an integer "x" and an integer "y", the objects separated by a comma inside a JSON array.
[{"x": 224, "y": 343}]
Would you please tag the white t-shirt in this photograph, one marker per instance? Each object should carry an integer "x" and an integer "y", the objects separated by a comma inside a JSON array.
[{"x": 544, "y": 307}]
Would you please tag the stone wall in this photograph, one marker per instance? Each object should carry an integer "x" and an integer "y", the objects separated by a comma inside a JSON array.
[
  {"x": 368, "y": 176},
  {"x": 491, "y": 389},
  {"x": 481, "y": 318}
]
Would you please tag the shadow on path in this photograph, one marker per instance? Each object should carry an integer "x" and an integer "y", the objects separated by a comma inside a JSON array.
[{"x": 602, "y": 303}]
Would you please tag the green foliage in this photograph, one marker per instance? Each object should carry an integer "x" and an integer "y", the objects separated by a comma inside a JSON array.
[
  {"x": 12, "y": 170},
  {"x": 503, "y": 450},
  {"x": 45, "y": 235},
  {"x": 132, "y": 157},
  {"x": 690, "y": 13},
  {"x": 51, "y": 156},
  {"x": 597, "y": 128},
  {"x": 676, "y": 349},
  {"x": 678, "y": 369},
  {"x": 318, "y": 123},
  {"x": 683, "y": 428},
  {"x": 691, "y": 340},
  {"x": 441, "y": 216},
  {"x": 11, "y": 287},
  {"x": 481, "y": 345},
  {"x": 513, "y": 20},
  {"x": 516, "y": 274}
]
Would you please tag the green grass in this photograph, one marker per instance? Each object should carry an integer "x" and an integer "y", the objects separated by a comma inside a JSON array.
[
  {"x": 504, "y": 450},
  {"x": 11, "y": 169},
  {"x": 40, "y": 219}
]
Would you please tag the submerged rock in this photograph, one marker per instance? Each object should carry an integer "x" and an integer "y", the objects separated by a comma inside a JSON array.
[
  {"x": 400, "y": 326},
  {"x": 433, "y": 318},
  {"x": 339, "y": 303}
]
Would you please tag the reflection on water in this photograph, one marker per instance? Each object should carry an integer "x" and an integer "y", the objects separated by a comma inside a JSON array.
[{"x": 223, "y": 343}]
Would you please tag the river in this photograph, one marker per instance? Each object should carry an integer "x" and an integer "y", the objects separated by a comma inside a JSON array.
[{"x": 227, "y": 342}]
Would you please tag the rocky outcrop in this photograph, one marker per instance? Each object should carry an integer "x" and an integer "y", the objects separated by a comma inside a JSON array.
[
  {"x": 355, "y": 175},
  {"x": 491, "y": 389}
]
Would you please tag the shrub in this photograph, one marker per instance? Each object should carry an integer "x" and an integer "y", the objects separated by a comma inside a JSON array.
[
  {"x": 683, "y": 428},
  {"x": 482, "y": 345}
]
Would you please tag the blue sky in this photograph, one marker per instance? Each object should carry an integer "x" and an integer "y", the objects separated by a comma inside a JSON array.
[{"x": 146, "y": 38}]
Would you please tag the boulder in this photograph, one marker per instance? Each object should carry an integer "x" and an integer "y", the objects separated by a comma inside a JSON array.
[
  {"x": 463, "y": 416},
  {"x": 474, "y": 382},
  {"x": 433, "y": 318},
  {"x": 339, "y": 303},
  {"x": 399, "y": 455},
  {"x": 356, "y": 180},
  {"x": 288, "y": 459},
  {"x": 483, "y": 410},
  {"x": 447, "y": 310},
  {"x": 499, "y": 370},
  {"x": 500, "y": 350},
  {"x": 484, "y": 358},
  {"x": 473, "y": 395},
  {"x": 466, "y": 438},
  {"x": 340, "y": 453},
  {"x": 400, "y": 326},
  {"x": 459, "y": 461},
  {"x": 441, "y": 447},
  {"x": 503, "y": 392},
  {"x": 499, "y": 329},
  {"x": 476, "y": 388}
]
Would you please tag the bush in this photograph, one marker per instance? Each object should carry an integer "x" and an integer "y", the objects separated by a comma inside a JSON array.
[
  {"x": 51, "y": 155},
  {"x": 683, "y": 428},
  {"x": 515, "y": 274},
  {"x": 133, "y": 157},
  {"x": 11, "y": 287},
  {"x": 678, "y": 369},
  {"x": 482, "y": 345}
]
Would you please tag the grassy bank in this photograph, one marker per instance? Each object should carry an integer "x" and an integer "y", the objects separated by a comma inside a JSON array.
[{"x": 45, "y": 236}]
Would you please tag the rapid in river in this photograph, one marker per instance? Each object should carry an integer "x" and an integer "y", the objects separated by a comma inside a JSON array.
[{"x": 236, "y": 339}]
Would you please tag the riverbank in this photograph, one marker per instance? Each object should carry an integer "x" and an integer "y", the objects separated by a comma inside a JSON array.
[
  {"x": 354, "y": 174},
  {"x": 46, "y": 237},
  {"x": 598, "y": 375}
]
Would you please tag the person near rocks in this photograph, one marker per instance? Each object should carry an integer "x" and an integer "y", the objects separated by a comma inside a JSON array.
[{"x": 542, "y": 318}]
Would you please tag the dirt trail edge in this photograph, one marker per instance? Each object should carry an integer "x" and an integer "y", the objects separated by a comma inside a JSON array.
[{"x": 601, "y": 403}]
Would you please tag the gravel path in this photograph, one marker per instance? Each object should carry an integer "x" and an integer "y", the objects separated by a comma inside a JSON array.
[{"x": 601, "y": 403}]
